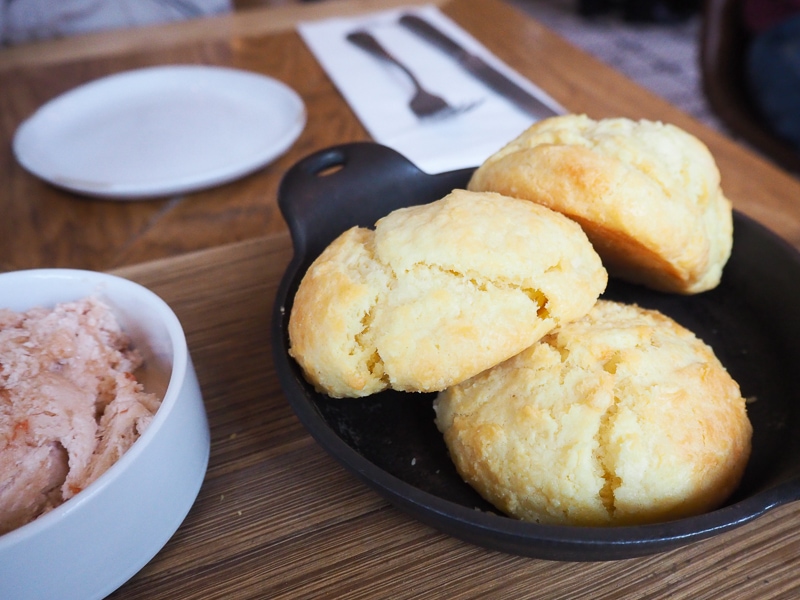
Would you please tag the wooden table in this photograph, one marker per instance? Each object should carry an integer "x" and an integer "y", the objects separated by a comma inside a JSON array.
[
  {"x": 276, "y": 516},
  {"x": 45, "y": 227}
]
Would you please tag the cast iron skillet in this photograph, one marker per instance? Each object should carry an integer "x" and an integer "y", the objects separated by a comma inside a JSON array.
[{"x": 390, "y": 441}]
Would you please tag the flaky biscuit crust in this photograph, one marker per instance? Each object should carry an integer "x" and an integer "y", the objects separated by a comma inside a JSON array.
[
  {"x": 438, "y": 293},
  {"x": 622, "y": 417},
  {"x": 647, "y": 194}
]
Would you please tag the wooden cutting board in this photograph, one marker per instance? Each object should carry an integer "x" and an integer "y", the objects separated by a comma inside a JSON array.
[{"x": 278, "y": 518}]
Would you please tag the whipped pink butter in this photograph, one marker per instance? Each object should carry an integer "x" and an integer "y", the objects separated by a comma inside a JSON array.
[{"x": 70, "y": 405}]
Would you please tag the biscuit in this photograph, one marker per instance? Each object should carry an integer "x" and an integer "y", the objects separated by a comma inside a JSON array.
[
  {"x": 622, "y": 417},
  {"x": 437, "y": 293},
  {"x": 647, "y": 194}
]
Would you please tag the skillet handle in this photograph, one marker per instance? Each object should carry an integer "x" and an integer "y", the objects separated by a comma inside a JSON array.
[{"x": 350, "y": 185}]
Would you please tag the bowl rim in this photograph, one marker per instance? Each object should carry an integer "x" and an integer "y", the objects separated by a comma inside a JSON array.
[{"x": 179, "y": 367}]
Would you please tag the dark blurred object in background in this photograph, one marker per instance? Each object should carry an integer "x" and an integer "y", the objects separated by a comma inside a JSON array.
[
  {"x": 642, "y": 11},
  {"x": 725, "y": 44},
  {"x": 772, "y": 64}
]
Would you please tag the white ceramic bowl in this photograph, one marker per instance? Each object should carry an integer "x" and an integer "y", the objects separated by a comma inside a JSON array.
[{"x": 90, "y": 545}]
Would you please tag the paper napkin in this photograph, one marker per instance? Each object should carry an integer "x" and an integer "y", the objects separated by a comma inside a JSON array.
[{"x": 379, "y": 93}]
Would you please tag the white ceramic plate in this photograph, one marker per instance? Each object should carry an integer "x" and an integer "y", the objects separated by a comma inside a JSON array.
[{"x": 160, "y": 131}]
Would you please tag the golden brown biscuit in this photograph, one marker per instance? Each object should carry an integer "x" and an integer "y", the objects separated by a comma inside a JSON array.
[
  {"x": 621, "y": 417},
  {"x": 647, "y": 194},
  {"x": 438, "y": 293}
]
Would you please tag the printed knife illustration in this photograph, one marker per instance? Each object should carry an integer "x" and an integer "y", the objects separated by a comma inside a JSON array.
[{"x": 478, "y": 68}]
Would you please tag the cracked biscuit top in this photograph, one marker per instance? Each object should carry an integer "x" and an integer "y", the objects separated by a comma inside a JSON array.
[
  {"x": 437, "y": 293},
  {"x": 647, "y": 194},
  {"x": 622, "y": 417}
]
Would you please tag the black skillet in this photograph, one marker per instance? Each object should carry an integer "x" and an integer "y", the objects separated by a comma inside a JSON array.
[{"x": 389, "y": 440}]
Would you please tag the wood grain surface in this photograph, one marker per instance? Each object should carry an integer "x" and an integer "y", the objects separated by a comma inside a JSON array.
[
  {"x": 46, "y": 227},
  {"x": 278, "y": 518}
]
